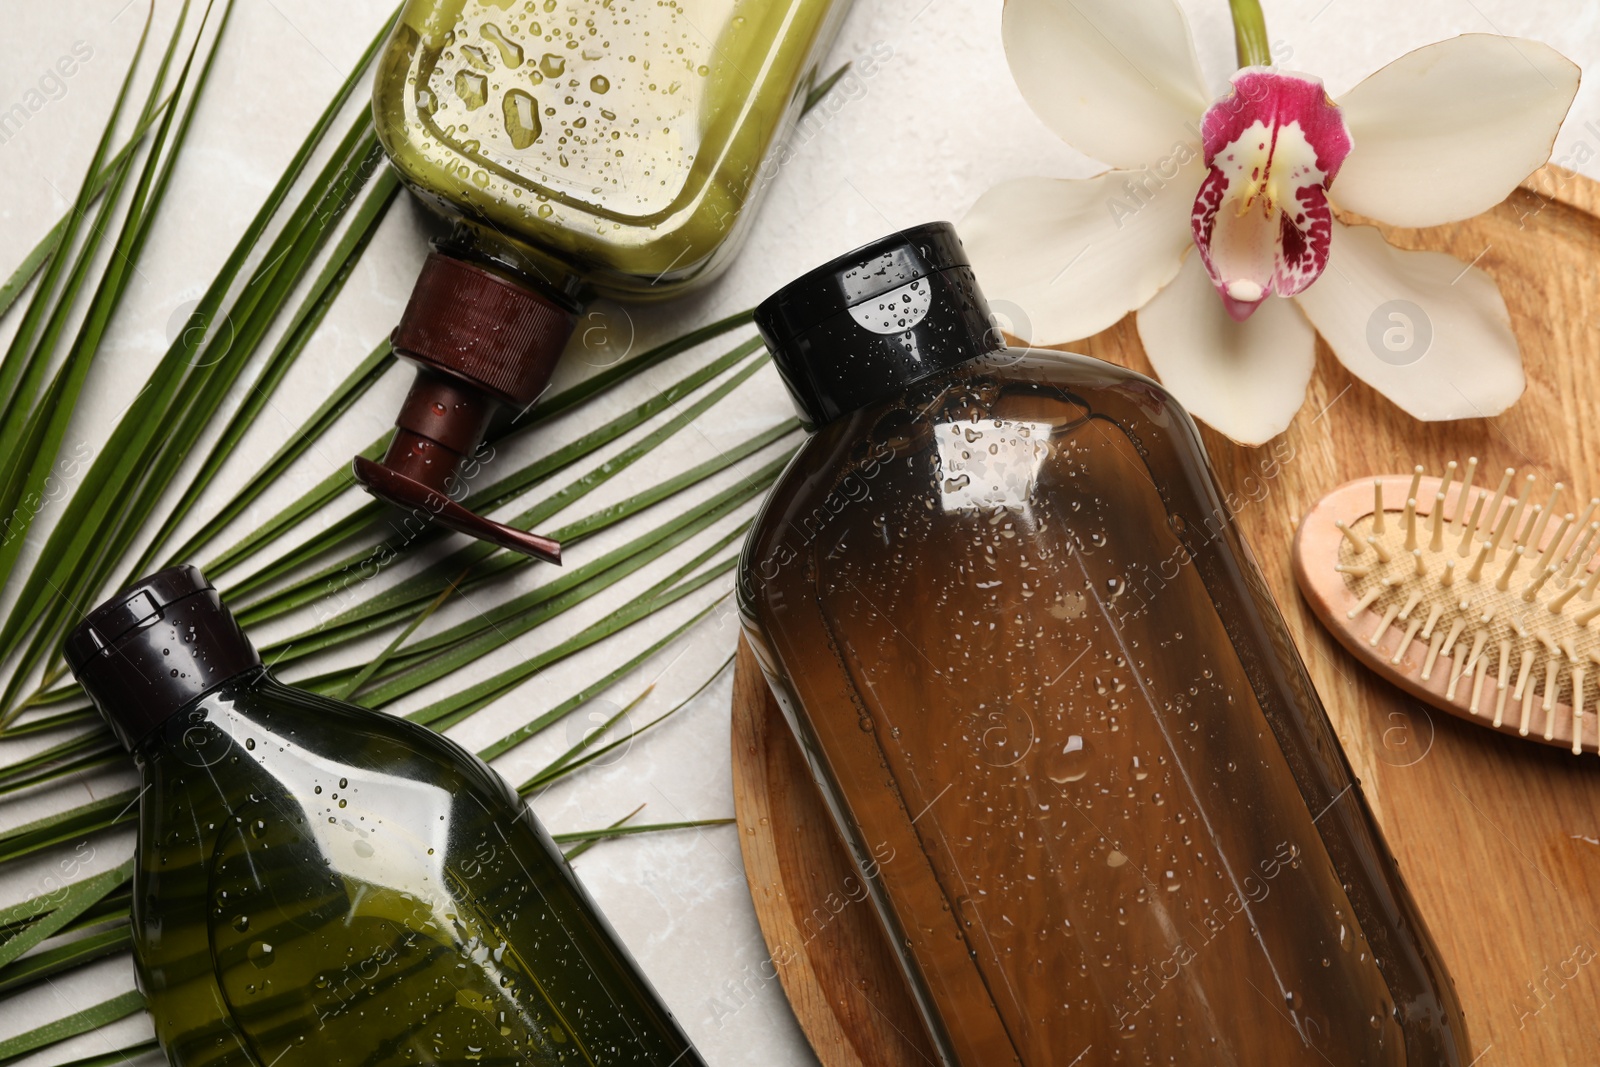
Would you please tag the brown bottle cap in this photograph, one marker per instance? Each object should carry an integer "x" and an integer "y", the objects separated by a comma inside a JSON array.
[
  {"x": 154, "y": 647},
  {"x": 480, "y": 341},
  {"x": 494, "y": 333}
]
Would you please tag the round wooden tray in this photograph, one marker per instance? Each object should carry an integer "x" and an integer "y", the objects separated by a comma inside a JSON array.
[
  {"x": 825, "y": 941},
  {"x": 1498, "y": 840}
]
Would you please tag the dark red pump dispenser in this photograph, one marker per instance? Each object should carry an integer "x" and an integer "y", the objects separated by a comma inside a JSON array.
[{"x": 481, "y": 342}]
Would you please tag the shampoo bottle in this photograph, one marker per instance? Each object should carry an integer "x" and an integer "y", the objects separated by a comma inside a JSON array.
[
  {"x": 318, "y": 884},
  {"x": 580, "y": 148},
  {"x": 1009, "y": 618}
]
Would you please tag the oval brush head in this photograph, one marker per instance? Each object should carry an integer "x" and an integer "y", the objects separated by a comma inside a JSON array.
[{"x": 1478, "y": 602}]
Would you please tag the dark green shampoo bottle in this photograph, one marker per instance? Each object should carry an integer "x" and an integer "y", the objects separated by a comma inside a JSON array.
[{"x": 319, "y": 884}]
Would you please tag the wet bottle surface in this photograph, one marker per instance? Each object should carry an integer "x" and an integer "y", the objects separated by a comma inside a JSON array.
[
  {"x": 619, "y": 142},
  {"x": 320, "y": 884},
  {"x": 1007, "y": 614}
]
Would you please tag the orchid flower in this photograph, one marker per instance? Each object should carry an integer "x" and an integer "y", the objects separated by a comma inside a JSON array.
[{"x": 1441, "y": 134}]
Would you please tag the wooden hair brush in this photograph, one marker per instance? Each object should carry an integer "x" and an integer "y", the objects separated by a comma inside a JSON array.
[{"x": 1479, "y": 603}]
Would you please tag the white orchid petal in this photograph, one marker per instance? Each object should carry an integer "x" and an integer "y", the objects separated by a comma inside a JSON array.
[
  {"x": 1116, "y": 79},
  {"x": 1424, "y": 329},
  {"x": 1248, "y": 378},
  {"x": 1072, "y": 257},
  {"x": 1447, "y": 131}
]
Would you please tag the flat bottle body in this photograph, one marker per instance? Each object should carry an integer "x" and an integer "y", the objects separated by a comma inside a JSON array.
[
  {"x": 623, "y": 142},
  {"x": 1016, "y": 633},
  {"x": 318, "y": 885}
]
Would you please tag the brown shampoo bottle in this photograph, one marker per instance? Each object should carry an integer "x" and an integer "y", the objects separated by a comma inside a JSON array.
[{"x": 1007, "y": 614}]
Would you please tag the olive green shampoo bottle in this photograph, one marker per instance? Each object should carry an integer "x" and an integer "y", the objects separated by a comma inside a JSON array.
[
  {"x": 322, "y": 885},
  {"x": 579, "y": 147}
]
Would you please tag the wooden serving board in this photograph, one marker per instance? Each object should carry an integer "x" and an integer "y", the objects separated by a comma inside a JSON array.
[{"x": 1498, "y": 839}]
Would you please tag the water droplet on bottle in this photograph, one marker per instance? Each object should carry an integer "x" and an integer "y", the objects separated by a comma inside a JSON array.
[
  {"x": 260, "y": 954},
  {"x": 472, "y": 88},
  {"x": 599, "y": 84},
  {"x": 1070, "y": 763},
  {"x": 552, "y": 65},
  {"x": 241, "y": 923},
  {"x": 521, "y": 112},
  {"x": 510, "y": 51}
]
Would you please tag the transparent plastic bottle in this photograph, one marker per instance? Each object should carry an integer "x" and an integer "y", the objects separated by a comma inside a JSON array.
[
  {"x": 581, "y": 147},
  {"x": 1006, "y": 611},
  {"x": 319, "y": 884}
]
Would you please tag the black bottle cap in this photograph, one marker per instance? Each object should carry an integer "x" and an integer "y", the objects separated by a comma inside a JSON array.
[
  {"x": 865, "y": 326},
  {"x": 154, "y": 647}
]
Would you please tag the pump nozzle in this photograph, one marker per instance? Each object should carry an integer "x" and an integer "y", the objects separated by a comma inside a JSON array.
[{"x": 479, "y": 340}]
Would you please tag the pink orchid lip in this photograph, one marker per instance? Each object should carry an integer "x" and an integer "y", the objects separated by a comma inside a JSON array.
[{"x": 1261, "y": 219}]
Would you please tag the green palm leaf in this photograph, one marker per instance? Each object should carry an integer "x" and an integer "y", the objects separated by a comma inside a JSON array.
[{"x": 108, "y": 1011}]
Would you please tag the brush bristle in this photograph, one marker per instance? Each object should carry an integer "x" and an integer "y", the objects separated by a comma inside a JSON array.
[{"x": 1501, "y": 587}]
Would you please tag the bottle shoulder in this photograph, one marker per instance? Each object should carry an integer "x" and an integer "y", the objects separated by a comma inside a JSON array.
[
  {"x": 267, "y": 735},
  {"x": 994, "y": 432},
  {"x": 1014, "y": 385},
  {"x": 1073, "y": 371}
]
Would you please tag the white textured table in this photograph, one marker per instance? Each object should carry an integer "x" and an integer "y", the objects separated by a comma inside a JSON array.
[{"x": 936, "y": 123}]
